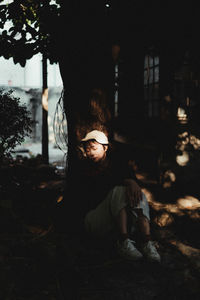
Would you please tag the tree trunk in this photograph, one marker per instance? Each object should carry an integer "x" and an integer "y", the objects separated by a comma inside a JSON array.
[
  {"x": 45, "y": 137},
  {"x": 85, "y": 60}
]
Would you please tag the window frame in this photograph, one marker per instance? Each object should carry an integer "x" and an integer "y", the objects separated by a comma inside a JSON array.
[{"x": 151, "y": 84}]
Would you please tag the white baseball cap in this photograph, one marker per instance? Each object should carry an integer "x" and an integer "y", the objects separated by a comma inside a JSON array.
[{"x": 96, "y": 135}]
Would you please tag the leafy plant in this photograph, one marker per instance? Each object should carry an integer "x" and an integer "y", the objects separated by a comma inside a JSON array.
[
  {"x": 27, "y": 28},
  {"x": 15, "y": 122}
]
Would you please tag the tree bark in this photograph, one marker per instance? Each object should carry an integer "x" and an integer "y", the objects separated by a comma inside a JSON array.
[{"x": 85, "y": 59}]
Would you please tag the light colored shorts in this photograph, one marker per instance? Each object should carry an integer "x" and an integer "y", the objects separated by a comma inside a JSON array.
[{"x": 101, "y": 221}]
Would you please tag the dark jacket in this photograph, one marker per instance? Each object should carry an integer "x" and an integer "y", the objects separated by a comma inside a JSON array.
[{"x": 89, "y": 183}]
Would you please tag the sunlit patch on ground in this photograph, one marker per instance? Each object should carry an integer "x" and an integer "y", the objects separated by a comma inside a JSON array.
[
  {"x": 188, "y": 202},
  {"x": 187, "y": 205},
  {"x": 51, "y": 184},
  {"x": 186, "y": 144},
  {"x": 168, "y": 178},
  {"x": 38, "y": 230},
  {"x": 191, "y": 253},
  {"x": 60, "y": 198},
  {"x": 176, "y": 223},
  {"x": 143, "y": 178},
  {"x": 182, "y": 116},
  {"x": 164, "y": 219},
  {"x": 183, "y": 159}
]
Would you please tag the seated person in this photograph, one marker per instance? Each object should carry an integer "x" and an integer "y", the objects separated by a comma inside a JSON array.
[{"x": 107, "y": 200}]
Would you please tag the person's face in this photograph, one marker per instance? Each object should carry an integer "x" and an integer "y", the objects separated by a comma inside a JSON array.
[{"x": 95, "y": 151}]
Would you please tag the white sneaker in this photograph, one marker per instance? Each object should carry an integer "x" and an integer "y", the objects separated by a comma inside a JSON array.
[
  {"x": 150, "y": 252},
  {"x": 127, "y": 250}
]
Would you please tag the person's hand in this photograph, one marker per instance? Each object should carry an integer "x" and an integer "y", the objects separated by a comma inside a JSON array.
[{"x": 134, "y": 192}]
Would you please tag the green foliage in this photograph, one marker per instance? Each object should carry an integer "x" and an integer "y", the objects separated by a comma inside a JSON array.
[
  {"x": 30, "y": 30},
  {"x": 15, "y": 122}
]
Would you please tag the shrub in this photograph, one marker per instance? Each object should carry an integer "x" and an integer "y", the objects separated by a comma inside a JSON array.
[{"x": 15, "y": 122}]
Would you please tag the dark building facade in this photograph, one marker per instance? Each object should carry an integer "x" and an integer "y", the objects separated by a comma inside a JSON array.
[{"x": 153, "y": 76}]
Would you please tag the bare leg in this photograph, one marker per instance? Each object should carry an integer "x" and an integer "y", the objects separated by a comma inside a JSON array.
[
  {"x": 148, "y": 248},
  {"x": 144, "y": 226},
  {"x": 122, "y": 224},
  {"x": 126, "y": 246}
]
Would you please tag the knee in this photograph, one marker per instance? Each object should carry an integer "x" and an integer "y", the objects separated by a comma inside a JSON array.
[{"x": 117, "y": 200}]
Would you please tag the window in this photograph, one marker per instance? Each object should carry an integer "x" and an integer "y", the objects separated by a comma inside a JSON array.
[
  {"x": 116, "y": 91},
  {"x": 151, "y": 85}
]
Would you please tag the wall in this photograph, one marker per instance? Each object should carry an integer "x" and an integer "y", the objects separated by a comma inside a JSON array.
[{"x": 26, "y": 84}]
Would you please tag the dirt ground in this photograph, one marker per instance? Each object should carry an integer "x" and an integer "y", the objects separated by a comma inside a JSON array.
[{"x": 39, "y": 263}]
